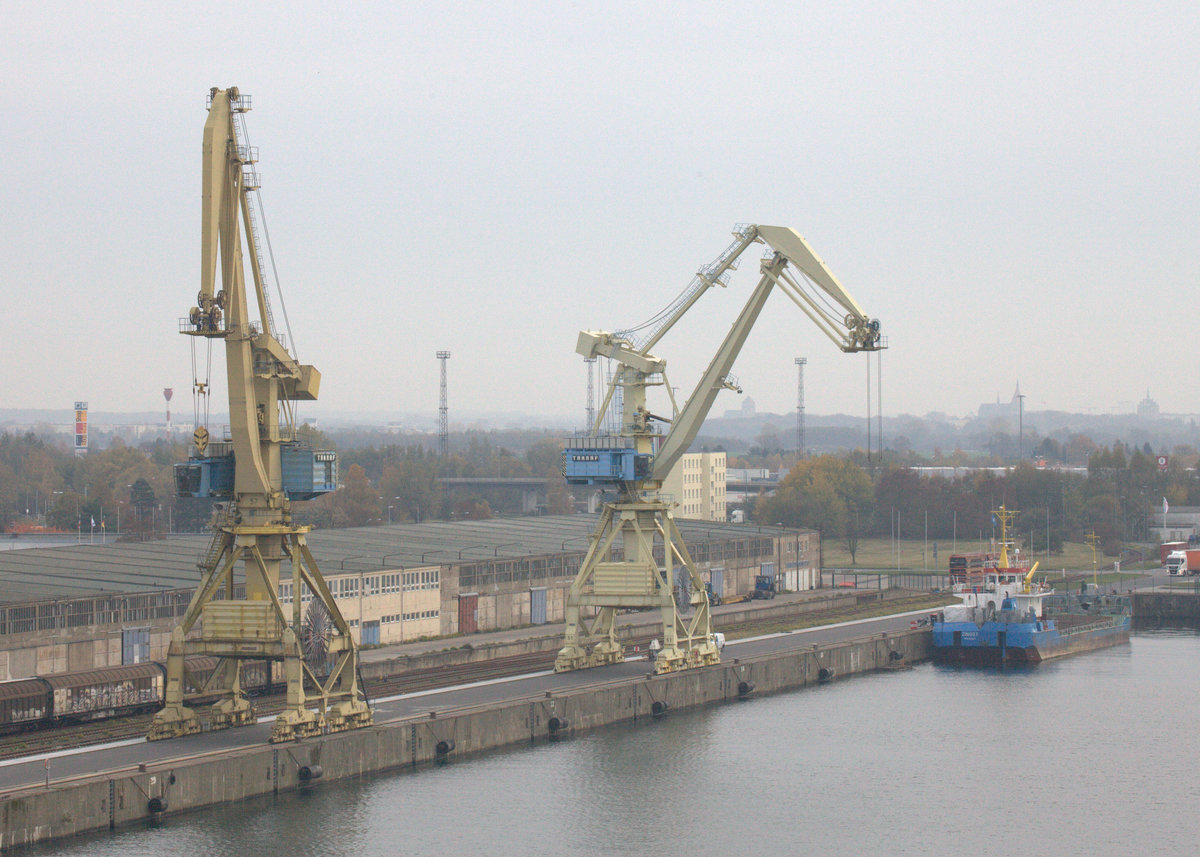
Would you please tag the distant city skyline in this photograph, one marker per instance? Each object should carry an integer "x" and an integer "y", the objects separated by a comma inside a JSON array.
[{"x": 427, "y": 420}]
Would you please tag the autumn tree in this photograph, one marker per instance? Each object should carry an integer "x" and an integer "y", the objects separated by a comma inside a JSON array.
[
  {"x": 409, "y": 485},
  {"x": 558, "y": 495},
  {"x": 825, "y": 493},
  {"x": 356, "y": 503}
]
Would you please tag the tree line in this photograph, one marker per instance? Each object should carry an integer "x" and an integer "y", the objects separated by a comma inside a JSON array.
[
  {"x": 44, "y": 485},
  {"x": 1118, "y": 499}
]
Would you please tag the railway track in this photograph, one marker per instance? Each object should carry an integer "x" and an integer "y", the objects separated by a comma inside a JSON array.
[{"x": 52, "y": 739}]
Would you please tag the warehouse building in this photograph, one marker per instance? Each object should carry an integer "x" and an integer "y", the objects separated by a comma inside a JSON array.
[{"x": 83, "y": 606}]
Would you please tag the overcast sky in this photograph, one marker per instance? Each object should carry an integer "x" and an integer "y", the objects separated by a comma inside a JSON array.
[{"x": 1010, "y": 188}]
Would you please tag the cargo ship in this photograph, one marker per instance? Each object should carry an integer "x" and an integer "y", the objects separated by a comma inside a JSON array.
[{"x": 1005, "y": 618}]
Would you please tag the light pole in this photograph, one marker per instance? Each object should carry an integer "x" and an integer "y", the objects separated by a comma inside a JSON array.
[
  {"x": 779, "y": 550},
  {"x": 1091, "y": 539},
  {"x": 1020, "y": 426}
]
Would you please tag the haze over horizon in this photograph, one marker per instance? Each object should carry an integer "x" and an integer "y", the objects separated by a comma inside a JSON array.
[{"x": 1010, "y": 190}]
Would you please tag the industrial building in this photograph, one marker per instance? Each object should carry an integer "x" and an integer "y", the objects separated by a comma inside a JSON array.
[
  {"x": 697, "y": 483},
  {"x": 82, "y": 606}
]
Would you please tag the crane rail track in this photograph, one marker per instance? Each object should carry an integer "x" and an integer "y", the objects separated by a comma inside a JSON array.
[{"x": 126, "y": 727}]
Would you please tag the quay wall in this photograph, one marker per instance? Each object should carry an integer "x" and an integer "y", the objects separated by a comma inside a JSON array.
[
  {"x": 120, "y": 797},
  {"x": 1152, "y": 609}
]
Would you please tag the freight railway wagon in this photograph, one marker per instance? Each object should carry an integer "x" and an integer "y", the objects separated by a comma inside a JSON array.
[{"x": 31, "y": 703}]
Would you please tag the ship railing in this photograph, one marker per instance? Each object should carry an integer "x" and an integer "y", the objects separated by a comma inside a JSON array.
[
  {"x": 1086, "y": 627},
  {"x": 844, "y": 578}
]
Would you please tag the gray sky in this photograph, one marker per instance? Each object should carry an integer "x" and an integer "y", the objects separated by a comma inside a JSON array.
[{"x": 1011, "y": 188}]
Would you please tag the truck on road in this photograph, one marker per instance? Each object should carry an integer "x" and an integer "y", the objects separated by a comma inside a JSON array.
[{"x": 1183, "y": 562}]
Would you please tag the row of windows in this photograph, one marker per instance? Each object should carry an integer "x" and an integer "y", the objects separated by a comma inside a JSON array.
[
  {"x": 415, "y": 580},
  {"x": 375, "y": 584},
  {"x": 409, "y": 617},
  {"x": 387, "y": 583}
]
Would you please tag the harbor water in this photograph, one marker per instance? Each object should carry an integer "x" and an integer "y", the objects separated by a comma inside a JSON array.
[{"x": 1088, "y": 755}]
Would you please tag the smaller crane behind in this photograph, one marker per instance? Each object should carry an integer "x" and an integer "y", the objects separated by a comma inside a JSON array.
[{"x": 635, "y": 460}]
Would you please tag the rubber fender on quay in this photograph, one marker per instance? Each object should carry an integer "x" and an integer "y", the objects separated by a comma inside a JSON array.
[
  {"x": 745, "y": 688},
  {"x": 310, "y": 772},
  {"x": 557, "y": 724},
  {"x": 824, "y": 674},
  {"x": 444, "y": 747},
  {"x": 156, "y": 804},
  {"x": 659, "y": 709}
]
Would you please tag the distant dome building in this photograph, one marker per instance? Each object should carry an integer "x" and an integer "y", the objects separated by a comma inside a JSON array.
[
  {"x": 746, "y": 411},
  {"x": 1147, "y": 408}
]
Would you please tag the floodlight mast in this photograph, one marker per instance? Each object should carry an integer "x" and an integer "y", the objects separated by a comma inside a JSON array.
[{"x": 637, "y": 460}]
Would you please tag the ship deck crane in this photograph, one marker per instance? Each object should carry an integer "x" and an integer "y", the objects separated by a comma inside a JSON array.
[
  {"x": 636, "y": 544},
  {"x": 236, "y": 612}
]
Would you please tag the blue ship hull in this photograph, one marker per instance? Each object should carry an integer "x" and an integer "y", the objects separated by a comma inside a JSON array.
[{"x": 999, "y": 642}]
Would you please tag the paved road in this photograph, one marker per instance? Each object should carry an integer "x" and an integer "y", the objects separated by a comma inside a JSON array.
[{"x": 23, "y": 772}]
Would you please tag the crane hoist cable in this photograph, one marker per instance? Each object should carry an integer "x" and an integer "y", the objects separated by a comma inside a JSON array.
[
  {"x": 242, "y": 131},
  {"x": 244, "y": 134},
  {"x": 200, "y": 389}
]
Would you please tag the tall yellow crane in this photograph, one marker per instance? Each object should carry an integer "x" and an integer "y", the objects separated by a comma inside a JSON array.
[
  {"x": 237, "y": 612},
  {"x": 637, "y": 531}
]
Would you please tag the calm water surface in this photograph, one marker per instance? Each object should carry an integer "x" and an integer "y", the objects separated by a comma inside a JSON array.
[{"x": 1091, "y": 755}]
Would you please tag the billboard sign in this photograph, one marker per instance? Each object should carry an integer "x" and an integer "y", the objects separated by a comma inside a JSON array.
[{"x": 81, "y": 437}]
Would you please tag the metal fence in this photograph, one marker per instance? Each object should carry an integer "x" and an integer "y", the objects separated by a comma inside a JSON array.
[{"x": 845, "y": 579}]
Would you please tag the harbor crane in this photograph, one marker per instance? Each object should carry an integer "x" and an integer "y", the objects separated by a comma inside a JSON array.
[
  {"x": 255, "y": 473},
  {"x": 636, "y": 547}
]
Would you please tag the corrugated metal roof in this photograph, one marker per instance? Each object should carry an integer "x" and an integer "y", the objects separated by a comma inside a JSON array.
[
  {"x": 22, "y": 688},
  {"x": 112, "y": 675},
  {"x": 75, "y": 571}
]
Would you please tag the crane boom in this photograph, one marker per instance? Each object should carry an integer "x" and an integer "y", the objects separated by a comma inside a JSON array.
[
  {"x": 714, "y": 274},
  {"x": 687, "y": 424}
]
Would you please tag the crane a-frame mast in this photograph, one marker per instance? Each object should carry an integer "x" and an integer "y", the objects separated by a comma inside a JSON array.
[
  {"x": 637, "y": 459},
  {"x": 237, "y": 612}
]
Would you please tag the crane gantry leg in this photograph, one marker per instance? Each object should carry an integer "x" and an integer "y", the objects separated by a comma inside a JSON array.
[
  {"x": 257, "y": 626},
  {"x": 607, "y": 583}
]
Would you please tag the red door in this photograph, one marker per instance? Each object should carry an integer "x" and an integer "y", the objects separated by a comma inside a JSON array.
[{"x": 468, "y": 613}]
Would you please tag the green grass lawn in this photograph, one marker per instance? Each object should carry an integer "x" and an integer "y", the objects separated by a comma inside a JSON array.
[{"x": 915, "y": 555}]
